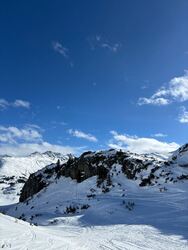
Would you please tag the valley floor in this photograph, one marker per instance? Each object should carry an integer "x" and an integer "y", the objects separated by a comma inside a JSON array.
[{"x": 19, "y": 235}]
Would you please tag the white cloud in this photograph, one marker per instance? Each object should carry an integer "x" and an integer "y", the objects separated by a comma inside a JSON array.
[
  {"x": 59, "y": 48},
  {"x": 176, "y": 91},
  {"x": 4, "y": 104},
  {"x": 183, "y": 117},
  {"x": 153, "y": 101},
  {"x": 141, "y": 145},
  {"x": 80, "y": 134},
  {"x": 159, "y": 135},
  {"x": 23, "y": 141},
  {"x": 22, "y": 149},
  {"x": 11, "y": 134}
]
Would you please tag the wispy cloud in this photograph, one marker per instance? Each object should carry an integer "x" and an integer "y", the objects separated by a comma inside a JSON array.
[
  {"x": 176, "y": 91},
  {"x": 21, "y": 103},
  {"x": 63, "y": 51},
  {"x": 4, "y": 104},
  {"x": 59, "y": 123},
  {"x": 183, "y": 116},
  {"x": 159, "y": 135},
  {"x": 99, "y": 41},
  {"x": 59, "y": 48},
  {"x": 141, "y": 144},
  {"x": 113, "y": 47},
  {"x": 82, "y": 135}
]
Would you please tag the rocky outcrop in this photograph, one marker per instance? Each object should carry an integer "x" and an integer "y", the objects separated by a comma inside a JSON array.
[
  {"x": 38, "y": 181},
  {"x": 87, "y": 165},
  {"x": 33, "y": 185},
  {"x": 146, "y": 170}
]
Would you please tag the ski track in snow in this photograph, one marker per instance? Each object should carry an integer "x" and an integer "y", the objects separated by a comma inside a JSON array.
[
  {"x": 19, "y": 235},
  {"x": 89, "y": 231}
]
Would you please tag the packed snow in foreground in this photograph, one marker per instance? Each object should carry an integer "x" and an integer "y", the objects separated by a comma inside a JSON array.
[{"x": 16, "y": 234}]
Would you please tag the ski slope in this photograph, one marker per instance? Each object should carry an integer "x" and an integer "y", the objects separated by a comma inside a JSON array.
[
  {"x": 159, "y": 220},
  {"x": 19, "y": 235}
]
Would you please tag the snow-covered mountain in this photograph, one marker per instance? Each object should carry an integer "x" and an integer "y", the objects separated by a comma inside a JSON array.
[
  {"x": 136, "y": 201},
  {"x": 180, "y": 156},
  {"x": 14, "y": 171},
  {"x": 106, "y": 166}
]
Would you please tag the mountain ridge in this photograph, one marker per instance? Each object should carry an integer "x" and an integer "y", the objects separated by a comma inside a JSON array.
[{"x": 80, "y": 183}]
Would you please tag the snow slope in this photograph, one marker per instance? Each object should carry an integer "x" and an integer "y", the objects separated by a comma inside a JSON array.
[
  {"x": 15, "y": 170},
  {"x": 16, "y": 234},
  {"x": 166, "y": 210},
  {"x": 180, "y": 156},
  {"x": 120, "y": 213},
  {"x": 24, "y": 166}
]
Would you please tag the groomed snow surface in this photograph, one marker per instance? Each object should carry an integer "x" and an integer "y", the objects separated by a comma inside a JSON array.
[{"x": 19, "y": 235}]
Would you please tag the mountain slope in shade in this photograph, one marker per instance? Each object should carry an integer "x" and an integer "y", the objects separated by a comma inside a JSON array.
[{"x": 180, "y": 156}]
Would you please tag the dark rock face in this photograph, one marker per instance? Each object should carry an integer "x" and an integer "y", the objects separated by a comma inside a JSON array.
[
  {"x": 83, "y": 168},
  {"x": 130, "y": 168},
  {"x": 183, "y": 149},
  {"x": 33, "y": 185},
  {"x": 38, "y": 181},
  {"x": 98, "y": 164}
]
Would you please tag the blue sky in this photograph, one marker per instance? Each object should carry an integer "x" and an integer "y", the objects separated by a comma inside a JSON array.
[{"x": 81, "y": 75}]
